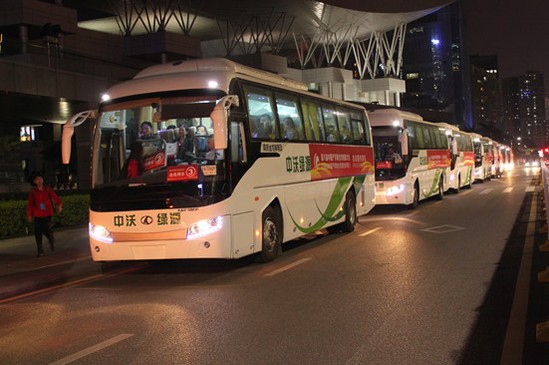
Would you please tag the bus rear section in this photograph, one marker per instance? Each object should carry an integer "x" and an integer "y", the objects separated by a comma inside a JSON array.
[{"x": 412, "y": 157}]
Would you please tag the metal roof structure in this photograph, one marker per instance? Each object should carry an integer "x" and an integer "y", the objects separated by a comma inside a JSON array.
[
  {"x": 266, "y": 21},
  {"x": 307, "y": 16}
]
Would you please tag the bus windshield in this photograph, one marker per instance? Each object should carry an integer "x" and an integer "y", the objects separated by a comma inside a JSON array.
[
  {"x": 390, "y": 164},
  {"x": 156, "y": 141}
]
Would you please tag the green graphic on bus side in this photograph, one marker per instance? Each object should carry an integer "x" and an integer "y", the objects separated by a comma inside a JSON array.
[
  {"x": 469, "y": 175},
  {"x": 357, "y": 184},
  {"x": 331, "y": 213},
  {"x": 434, "y": 187}
]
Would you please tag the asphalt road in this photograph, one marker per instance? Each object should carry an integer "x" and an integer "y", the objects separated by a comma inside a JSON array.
[{"x": 417, "y": 286}]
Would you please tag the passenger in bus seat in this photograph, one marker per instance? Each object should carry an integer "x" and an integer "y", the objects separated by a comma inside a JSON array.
[
  {"x": 185, "y": 151},
  {"x": 267, "y": 127},
  {"x": 291, "y": 131},
  {"x": 201, "y": 130},
  {"x": 330, "y": 134},
  {"x": 255, "y": 127}
]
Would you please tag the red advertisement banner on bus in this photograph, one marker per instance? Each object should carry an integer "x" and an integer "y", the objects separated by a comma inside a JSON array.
[
  {"x": 468, "y": 158},
  {"x": 329, "y": 161},
  {"x": 438, "y": 158}
]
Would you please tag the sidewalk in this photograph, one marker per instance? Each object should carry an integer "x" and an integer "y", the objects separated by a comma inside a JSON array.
[{"x": 21, "y": 271}]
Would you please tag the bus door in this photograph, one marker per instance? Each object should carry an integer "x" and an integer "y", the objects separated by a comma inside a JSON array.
[{"x": 238, "y": 147}]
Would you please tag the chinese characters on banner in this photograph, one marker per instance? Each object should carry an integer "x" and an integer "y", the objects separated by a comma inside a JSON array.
[
  {"x": 329, "y": 161},
  {"x": 438, "y": 158},
  {"x": 182, "y": 173},
  {"x": 155, "y": 161},
  {"x": 469, "y": 158}
]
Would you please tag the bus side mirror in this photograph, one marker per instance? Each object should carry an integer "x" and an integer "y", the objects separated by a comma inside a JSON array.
[
  {"x": 403, "y": 139},
  {"x": 219, "y": 118},
  {"x": 68, "y": 131}
]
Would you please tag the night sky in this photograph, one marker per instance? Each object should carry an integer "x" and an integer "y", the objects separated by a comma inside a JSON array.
[{"x": 517, "y": 31}]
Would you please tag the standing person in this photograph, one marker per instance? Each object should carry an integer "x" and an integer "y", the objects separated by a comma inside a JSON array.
[
  {"x": 134, "y": 164},
  {"x": 40, "y": 208}
]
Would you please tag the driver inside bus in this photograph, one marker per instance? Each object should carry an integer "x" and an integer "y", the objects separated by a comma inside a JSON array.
[
  {"x": 213, "y": 154},
  {"x": 393, "y": 156}
]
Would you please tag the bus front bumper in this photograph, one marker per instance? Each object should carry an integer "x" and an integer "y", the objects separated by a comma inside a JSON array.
[
  {"x": 169, "y": 245},
  {"x": 388, "y": 192}
]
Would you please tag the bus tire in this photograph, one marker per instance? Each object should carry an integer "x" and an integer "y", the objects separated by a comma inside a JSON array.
[
  {"x": 415, "y": 202},
  {"x": 348, "y": 225},
  {"x": 271, "y": 239},
  {"x": 456, "y": 190},
  {"x": 440, "y": 194}
]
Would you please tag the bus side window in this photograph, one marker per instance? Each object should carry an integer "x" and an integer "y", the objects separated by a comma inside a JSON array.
[
  {"x": 260, "y": 112},
  {"x": 357, "y": 128},
  {"x": 288, "y": 115},
  {"x": 312, "y": 118},
  {"x": 344, "y": 123},
  {"x": 332, "y": 132}
]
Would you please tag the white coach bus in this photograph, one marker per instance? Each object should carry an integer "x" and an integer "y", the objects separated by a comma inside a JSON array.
[
  {"x": 483, "y": 157},
  {"x": 462, "y": 157},
  {"x": 412, "y": 157},
  {"x": 238, "y": 162}
]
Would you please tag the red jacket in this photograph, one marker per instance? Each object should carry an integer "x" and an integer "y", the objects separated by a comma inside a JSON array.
[{"x": 39, "y": 203}]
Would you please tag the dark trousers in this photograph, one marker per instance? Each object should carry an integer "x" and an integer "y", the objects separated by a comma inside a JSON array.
[{"x": 42, "y": 226}]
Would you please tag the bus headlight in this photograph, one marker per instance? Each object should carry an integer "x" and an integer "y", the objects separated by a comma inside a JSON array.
[
  {"x": 204, "y": 227},
  {"x": 100, "y": 233},
  {"x": 394, "y": 190}
]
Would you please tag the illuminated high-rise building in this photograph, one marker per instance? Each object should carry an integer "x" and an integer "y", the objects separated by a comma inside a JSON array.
[{"x": 436, "y": 68}]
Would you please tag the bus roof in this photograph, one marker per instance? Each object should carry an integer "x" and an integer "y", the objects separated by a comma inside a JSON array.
[
  {"x": 212, "y": 73},
  {"x": 207, "y": 73},
  {"x": 391, "y": 116},
  {"x": 217, "y": 65}
]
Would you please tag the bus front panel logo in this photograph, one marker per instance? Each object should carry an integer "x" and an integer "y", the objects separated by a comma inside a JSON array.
[{"x": 146, "y": 220}]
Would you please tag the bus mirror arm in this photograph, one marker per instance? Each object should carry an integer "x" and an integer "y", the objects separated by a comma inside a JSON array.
[
  {"x": 68, "y": 131},
  {"x": 219, "y": 118}
]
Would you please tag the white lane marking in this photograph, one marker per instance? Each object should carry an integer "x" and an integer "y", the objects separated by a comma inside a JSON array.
[
  {"x": 530, "y": 189},
  {"x": 445, "y": 228},
  {"x": 370, "y": 231},
  {"x": 486, "y": 191},
  {"x": 508, "y": 190},
  {"x": 514, "y": 337},
  {"x": 288, "y": 267},
  {"x": 92, "y": 349}
]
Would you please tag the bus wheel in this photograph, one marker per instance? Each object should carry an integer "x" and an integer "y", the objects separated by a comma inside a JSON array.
[
  {"x": 415, "y": 202},
  {"x": 271, "y": 242},
  {"x": 350, "y": 213},
  {"x": 456, "y": 190},
  {"x": 440, "y": 194}
]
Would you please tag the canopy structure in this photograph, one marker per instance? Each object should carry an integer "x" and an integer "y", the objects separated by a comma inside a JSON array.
[{"x": 287, "y": 27}]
